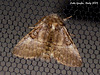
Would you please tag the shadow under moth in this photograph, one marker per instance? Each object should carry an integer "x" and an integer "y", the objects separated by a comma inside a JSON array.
[{"x": 49, "y": 39}]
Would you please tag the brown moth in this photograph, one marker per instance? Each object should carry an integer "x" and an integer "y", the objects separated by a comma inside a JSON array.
[{"x": 49, "y": 39}]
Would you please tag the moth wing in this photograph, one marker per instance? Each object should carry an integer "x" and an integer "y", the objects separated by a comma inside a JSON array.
[
  {"x": 33, "y": 44},
  {"x": 65, "y": 50}
]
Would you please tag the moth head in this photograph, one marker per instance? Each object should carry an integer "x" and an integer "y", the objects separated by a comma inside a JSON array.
[
  {"x": 54, "y": 16},
  {"x": 53, "y": 19}
]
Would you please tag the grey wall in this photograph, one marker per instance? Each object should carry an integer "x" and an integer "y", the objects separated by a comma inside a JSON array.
[{"x": 15, "y": 18}]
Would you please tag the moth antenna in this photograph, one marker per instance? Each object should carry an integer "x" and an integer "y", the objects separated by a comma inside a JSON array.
[
  {"x": 40, "y": 20},
  {"x": 67, "y": 18}
]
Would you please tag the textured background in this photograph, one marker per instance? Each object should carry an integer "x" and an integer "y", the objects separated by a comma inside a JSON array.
[{"x": 17, "y": 15}]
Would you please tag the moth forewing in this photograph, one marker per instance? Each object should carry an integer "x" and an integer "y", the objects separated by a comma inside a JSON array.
[
  {"x": 49, "y": 39},
  {"x": 65, "y": 50}
]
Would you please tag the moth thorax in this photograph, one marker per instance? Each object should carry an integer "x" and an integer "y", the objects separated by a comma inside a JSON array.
[{"x": 54, "y": 25}]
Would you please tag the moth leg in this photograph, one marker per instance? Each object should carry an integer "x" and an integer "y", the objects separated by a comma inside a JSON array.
[
  {"x": 72, "y": 35},
  {"x": 31, "y": 27},
  {"x": 34, "y": 27}
]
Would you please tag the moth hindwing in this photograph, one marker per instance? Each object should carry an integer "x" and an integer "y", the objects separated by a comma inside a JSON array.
[{"x": 49, "y": 39}]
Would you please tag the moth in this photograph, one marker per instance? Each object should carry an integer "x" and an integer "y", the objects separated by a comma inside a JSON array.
[{"x": 49, "y": 39}]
